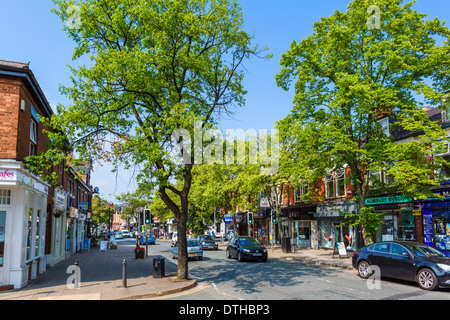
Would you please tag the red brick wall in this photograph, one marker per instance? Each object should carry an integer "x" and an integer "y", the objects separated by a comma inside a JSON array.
[{"x": 9, "y": 116}]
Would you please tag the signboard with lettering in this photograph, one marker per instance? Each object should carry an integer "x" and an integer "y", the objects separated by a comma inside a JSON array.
[
  {"x": 385, "y": 200},
  {"x": 340, "y": 248},
  {"x": 7, "y": 175}
]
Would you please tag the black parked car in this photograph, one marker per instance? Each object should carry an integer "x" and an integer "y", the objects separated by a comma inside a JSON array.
[
  {"x": 246, "y": 248},
  {"x": 208, "y": 242},
  {"x": 405, "y": 260}
]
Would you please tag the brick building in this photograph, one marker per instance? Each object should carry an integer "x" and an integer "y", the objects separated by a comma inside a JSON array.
[{"x": 34, "y": 215}]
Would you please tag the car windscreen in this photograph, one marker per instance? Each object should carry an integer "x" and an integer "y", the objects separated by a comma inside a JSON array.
[
  {"x": 424, "y": 250},
  {"x": 248, "y": 241},
  {"x": 192, "y": 243}
]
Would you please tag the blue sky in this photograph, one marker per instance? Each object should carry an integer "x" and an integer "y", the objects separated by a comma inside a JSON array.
[{"x": 29, "y": 32}]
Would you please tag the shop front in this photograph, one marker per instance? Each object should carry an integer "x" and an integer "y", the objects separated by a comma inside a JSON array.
[
  {"x": 330, "y": 217},
  {"x": 23, "y": 208},
  {"x": 436, "y": 224},
  {"x": 59, "y": 219},
  {"x": 300, "y": 225},
  {"x": 399, "y": 221},
  {"x": 260, "y": 226}
]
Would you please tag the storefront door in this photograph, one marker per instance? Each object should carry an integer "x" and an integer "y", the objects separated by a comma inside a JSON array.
[{"x": 302, "y": 233}]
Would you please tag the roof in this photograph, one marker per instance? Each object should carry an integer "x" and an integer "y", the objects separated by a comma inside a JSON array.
[{"x": 22, "y": 70}]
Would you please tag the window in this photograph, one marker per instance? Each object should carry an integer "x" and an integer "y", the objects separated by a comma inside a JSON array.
[
  {"x": 38, "y": 239},
  {"x": 33, "y": 138},
  {"x": 301, "y": 190},
  {"x": 30, "y": 233},
  {"x": 375, "y": 179},
  {"x": 340, "y": 183},
  {"x": 384, "y": 125},
  {"x": 5, "y": 196},
  {"x": 2, "y": 235},
  {"x": 381, "y": 247},
  {"x": 397, "y": 249},
  {"x": 329, "y": 186}
]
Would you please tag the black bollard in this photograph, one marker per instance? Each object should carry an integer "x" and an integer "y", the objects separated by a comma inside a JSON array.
[{"x": 124, "y": 273}]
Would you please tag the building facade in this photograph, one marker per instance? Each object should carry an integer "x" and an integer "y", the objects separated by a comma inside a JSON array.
[{"x": 33, "y": 214}]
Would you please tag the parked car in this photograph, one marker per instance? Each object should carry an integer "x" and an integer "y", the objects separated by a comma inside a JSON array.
[
  {"x": 207, "y": 242},
  {"x": 126, "y": 234},
  {"x": 243, "y": 247},
  {"x": 193, "y": 247},
  {"x": 150, "y": 238},
  {"x": 406, "y": 261},
  {"x": 118, "y": 235}
]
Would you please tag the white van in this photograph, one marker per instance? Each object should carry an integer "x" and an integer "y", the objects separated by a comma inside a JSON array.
[{"x": 174, "y": 238}]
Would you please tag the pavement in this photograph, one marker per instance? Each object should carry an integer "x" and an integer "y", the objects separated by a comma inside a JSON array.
[{"x": 101, "y": 275}]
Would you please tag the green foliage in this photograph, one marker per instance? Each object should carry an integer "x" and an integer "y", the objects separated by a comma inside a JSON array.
[{"x": 368, "y": 220}]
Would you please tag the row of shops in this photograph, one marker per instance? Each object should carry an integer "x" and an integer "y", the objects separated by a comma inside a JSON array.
[
  {"x": 39, "y": 226},
  {"x": 319, "y": 226}
]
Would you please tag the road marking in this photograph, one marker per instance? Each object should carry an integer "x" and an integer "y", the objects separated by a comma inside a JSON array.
[{"x": 178, "y": 294}]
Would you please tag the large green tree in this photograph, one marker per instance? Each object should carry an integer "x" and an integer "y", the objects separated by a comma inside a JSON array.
[
  {"x": 378, "y": 58},
  {"x": 156, "y": 66}
]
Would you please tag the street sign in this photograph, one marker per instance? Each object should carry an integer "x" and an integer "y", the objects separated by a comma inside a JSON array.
[
  {"x": 417, "y": 212},
  {"x": 227, "y": 218}
]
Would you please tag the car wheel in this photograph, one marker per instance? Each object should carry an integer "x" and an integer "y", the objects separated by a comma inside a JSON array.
[
  {"x": 239, "y": 256},
  {"x": 364, "y": 269},
  {"x": 228, "y": 254},
  {"x": 427, "y": 280}
]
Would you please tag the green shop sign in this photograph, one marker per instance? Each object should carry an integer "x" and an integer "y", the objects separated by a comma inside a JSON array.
[{"x": 391, "y": 199}]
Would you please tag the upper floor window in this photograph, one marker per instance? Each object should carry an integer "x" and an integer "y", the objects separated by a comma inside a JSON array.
[
  {"x": 329, "y": 186},
  {"x": 33, "y": 138},
  {"x": 340, "y": 183},
  {"x": 384, "y": 125},
  {"x": 301, "y": 190}
]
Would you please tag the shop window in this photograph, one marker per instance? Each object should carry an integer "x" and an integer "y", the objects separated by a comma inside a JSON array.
[
  {"x": 30, "y": 233},
  {"x": 38, "y": 217},
  {"x": 5, "y": 196},
  {"x": 2, "y": 235}
]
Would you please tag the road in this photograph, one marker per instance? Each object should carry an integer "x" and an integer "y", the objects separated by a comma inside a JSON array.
[{"x": 220, "y": 278}]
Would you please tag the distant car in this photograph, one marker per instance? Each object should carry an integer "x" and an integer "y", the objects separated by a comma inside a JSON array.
[
  {"x": 126, "y": 234},
  {"x": 246, "y": 248},
  {"x": 150, "y": 238},
  {"x": 193, "y": 247},
  {"x": 404, "y": 260},
  {"x": 208, "y": 242},
  {"x": 118, "y": 235}
]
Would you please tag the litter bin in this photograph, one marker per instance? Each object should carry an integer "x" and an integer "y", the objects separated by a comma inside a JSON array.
[
  {"x": 286, "y": 244},
  {"x": 158, "y": 268}
]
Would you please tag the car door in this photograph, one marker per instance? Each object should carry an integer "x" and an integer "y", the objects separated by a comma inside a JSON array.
[
  {"x": 380, "y": 257},
  {"x": 234, "y": 247},
  {"x": 402, "y": 264}
]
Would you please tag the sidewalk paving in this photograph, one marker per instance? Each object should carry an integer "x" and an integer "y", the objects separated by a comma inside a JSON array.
[
  {"x": 101, "y": 278},
  {"x": 101, "y": 275}
]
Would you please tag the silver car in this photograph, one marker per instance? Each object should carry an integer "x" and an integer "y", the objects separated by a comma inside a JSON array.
[{"x": 193, "y": 247}]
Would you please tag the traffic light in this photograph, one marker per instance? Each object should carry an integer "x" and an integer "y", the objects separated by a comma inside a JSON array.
[
  {"x": 274, "y": 216},
  {"x": 250, "y": 218},
  {"x": 148, "y": 216}
]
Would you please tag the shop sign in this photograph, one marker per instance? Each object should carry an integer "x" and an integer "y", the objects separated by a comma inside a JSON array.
[
  {"x": 7, "y": 175},
  {"x": 227, "y": 218},
  {"x": 264, "y": 203},
  {"x": 385, "y": 200},
  {"x": 73, "y": 212},
  {"x": 417, "y": 212},
  {"x": 83, "y": 206}
]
